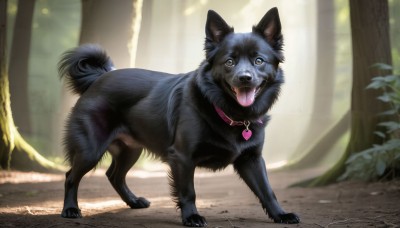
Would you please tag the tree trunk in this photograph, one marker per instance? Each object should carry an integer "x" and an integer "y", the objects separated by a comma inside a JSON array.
[
  {"x": 321, "y": 120},
  {"x": 14, "y": 151},
  {"x": 371, "y": 44},
  {"x": 324, "y": 83},
  {"x": 316, "y": 151},
  {"x": 111, "y": 25},
  {"x": 114, "y": 26},
  {"x": 145, "y": 35},
  {"x": 19, "y": 64},
  {"x": 7, "y": 142}
]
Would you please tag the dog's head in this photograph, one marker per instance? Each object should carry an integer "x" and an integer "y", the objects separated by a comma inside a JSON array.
[{"x": 243, "y": 64}]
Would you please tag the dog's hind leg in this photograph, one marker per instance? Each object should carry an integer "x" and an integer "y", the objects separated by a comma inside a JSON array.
[
  {"x": 80, "y": 166},
  {"x": 124, "y": 158},
  {"x": 87, "y": 138}
]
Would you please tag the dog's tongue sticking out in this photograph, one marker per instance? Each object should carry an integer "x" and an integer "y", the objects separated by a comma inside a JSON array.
[{"x": 245, "y": 96}]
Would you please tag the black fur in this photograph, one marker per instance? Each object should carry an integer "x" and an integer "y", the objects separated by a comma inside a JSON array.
[
  {"x": 84, "y": 66},
  {"x": 174, "y": 116}
]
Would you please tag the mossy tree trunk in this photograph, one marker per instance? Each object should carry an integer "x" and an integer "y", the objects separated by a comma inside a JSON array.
[
  {"x": 371, "y": 44},
  {"x": 14, "y": 151},
  {"x": 19, "y": 65}
]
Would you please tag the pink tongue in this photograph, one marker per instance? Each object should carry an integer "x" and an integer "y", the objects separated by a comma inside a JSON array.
[{"x": 245, "y": 96}]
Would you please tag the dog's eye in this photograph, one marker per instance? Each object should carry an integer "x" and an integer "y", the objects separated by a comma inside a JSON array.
[
  {"x": 229, "y": 63},
  {"x": 259, "y": 61}
]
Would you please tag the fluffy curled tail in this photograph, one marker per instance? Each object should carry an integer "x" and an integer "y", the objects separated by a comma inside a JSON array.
[{"x": 83, "y": 65}]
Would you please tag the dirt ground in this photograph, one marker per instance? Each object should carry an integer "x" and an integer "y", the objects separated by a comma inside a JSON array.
[{"x": 35, "y": 200}]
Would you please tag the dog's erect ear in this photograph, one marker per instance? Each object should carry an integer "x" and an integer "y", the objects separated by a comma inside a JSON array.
[
  {"x": 216, "y": 30},
  {"x": 270, "y": 28},
  {"x": 216, "y": 27}
]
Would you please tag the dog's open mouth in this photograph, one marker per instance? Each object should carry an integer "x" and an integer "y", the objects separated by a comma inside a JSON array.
[{"x": 245, "y": 96}]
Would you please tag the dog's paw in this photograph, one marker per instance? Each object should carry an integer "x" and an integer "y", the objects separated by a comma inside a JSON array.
[
  {"x": 288, "y": 218},
  {"x": 194, "y": 220},
  {"x": 139, "y": 203},
  {"x": 71, "y": 213}
]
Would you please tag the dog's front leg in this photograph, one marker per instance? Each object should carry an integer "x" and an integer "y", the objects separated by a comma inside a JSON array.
[
  {"x": 182, "y": 186},
  {"x": 252, "y": 170}
]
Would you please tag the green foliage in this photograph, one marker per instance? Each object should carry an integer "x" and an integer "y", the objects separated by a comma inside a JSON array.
[{"x": 380, "y": 161}]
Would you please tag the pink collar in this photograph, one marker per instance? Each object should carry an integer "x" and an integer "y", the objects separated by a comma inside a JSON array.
[
  {"x": 246, "y": 133},
  {"x": 231, "y": 122}
]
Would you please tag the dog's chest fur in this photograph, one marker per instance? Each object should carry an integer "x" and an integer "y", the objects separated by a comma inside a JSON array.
[{"x": 211, "y": 142}]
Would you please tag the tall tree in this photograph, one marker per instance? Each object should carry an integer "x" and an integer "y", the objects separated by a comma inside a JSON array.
[
  {"x": 145, "y": 34},
  {"x": 19, "y": 64},
  {"x": 321, "y": 134},
  {"x": 370, "y": 44},
  {"x": 112, "y": 26},
  {"x": 5, "y": 112},
  {"x": 14, "y": 151}
]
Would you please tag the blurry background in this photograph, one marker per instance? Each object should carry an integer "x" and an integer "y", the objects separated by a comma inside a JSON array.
[{"x": 310, "y": 120}]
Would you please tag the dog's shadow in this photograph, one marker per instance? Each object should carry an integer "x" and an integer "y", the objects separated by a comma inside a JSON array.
[{"x": 126, "y": 217}]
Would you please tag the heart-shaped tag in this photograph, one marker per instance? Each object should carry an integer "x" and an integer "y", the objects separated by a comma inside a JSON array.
[{"x": 246, "y": 134}]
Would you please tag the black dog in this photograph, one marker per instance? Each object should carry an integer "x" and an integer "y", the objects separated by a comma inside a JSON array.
[{"x": 211, "y": 117}]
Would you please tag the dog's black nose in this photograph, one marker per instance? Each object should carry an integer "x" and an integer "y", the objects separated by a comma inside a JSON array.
[{"x": 245, "y": 77}]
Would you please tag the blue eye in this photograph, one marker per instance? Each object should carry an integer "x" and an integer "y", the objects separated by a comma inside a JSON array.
[
  {"x": 229, "y": 63},
  {"x": 259, "y": 61}
]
